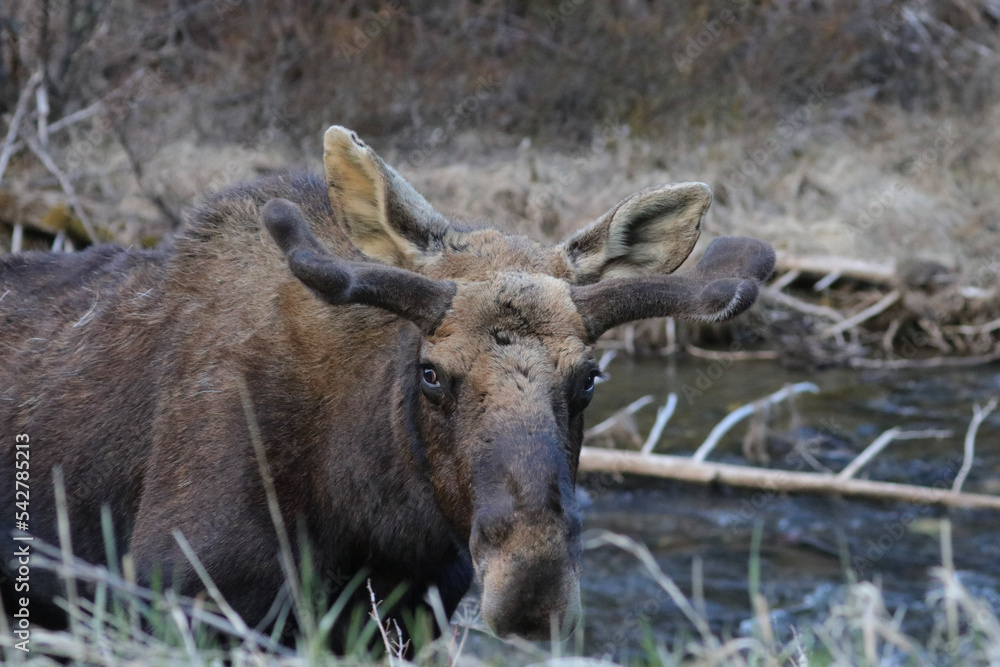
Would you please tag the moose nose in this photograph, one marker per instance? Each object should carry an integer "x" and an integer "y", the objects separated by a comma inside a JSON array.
[
  {"x": 531, "y": 602},
  {"x": 525, "y": 538},
  {"x": 530, "y": 575}
]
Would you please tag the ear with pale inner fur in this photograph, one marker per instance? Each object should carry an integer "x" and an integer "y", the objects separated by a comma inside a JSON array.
[
  {"x": 384, "y": 216},
  {"x": 651, "y": 232}
]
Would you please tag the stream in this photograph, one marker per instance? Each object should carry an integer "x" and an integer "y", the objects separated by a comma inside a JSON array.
[{"x": 808, "y": 541}]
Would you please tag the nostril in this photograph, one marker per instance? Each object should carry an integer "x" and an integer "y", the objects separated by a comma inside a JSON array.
[{"x": 536, "y": 627}]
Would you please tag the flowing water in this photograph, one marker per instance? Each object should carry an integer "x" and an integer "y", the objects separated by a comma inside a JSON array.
[{"x": 809, "y": 542}]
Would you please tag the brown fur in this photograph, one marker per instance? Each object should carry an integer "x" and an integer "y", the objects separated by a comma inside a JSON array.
[{"x": 122, "y": 367}]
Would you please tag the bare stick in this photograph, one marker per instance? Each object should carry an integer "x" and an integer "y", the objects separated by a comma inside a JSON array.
[
  {"x": 732, "y": 355},
  {"x": 866, "y": 314},
  {"x": 827, "y": 280},
  {"x": 76, "y": 117},
  {"x": 872, "y": 272},
  {"x": 461, "y": 645},
  {"x": 671, "y": 331},
  {"x": 890, "y": 334},
  {"x": 66, "y": 121},
  {"x": 66, "y": 184},
  {"x": 629, "y": 409},
  {"x": 287, "y": 559},
  {"x": 880, "y": 443},
  {"x": 15, "y": 121},
  {"x": 42, "y": 106},
  {"x": 393, "y": 655},
  {"x": 934, "y": 362},
  {"x": 774, "y": 296},
  {"x": 17, "y": 238},
  {"x": 979, "y": 414},
  {"x": 745, "y": 411},
  {"x": 869, "y": 453},
  {"x": 785, "y": 280},
  {"x": 602, "y": 364},
  {"x": 928, "y": 433},
  {"x": 606, "y": 359},
  {"x": 663, "y": 415},
  {"x": 685, "y": 469},
  {"x": 973, "y": 329}
]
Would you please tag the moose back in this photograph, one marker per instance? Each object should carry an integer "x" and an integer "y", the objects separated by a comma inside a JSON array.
[{"x": 418, "y": 386}]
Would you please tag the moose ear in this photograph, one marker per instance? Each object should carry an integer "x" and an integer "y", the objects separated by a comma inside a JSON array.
[
  {"x": 651, "y": 232},
  {"x": 384, "y": 216}
]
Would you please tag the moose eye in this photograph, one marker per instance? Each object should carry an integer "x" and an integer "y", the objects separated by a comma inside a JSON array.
[
  {"x": 586, "y": 391},
  {"x": 430, "y": 377}
]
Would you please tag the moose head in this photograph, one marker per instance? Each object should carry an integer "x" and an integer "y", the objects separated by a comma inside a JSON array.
[{"x": 497, "y": 368}]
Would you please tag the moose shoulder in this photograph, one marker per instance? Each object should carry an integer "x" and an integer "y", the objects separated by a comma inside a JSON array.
[{"x": 418, "y": 386}]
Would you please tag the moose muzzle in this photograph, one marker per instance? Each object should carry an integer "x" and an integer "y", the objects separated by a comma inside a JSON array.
[{"x": 525, "y": 541}]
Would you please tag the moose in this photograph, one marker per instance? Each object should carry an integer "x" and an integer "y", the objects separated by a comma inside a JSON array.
[{"x": 418, "y": 388}]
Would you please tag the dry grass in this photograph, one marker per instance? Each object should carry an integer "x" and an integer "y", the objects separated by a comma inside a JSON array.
[{"x": 858, "y": 629}]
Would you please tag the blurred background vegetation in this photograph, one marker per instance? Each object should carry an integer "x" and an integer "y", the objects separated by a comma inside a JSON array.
[
  {"x": 559, "y": 67},
  {"x": 806, "y": 116}
]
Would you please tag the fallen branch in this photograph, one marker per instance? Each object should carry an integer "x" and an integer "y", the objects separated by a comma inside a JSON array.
[
  {"x": 780, "y": 298},
  {"x": 827, "y": 280},
  {"x": 866, "y": 314},
  {"x": 857, "y": 269},
  {"x": 732, "y": 355},
  {"x": 663, "y": 415},
  {"x": 686, "y": 469},
  {"x": 745, "y": 411},
  {"x": 629, "y": 409},
  {"x": 934, "y": 362},
  {"x": 973, "y": 329},
  {"x": 785, "y": 280},
  {"x": 869, "y": 453}
]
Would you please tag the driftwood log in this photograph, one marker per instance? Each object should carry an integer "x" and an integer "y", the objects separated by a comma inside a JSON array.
[
  {"x": 697, "y": 469},
  {"x": 686, "y": 469}
]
